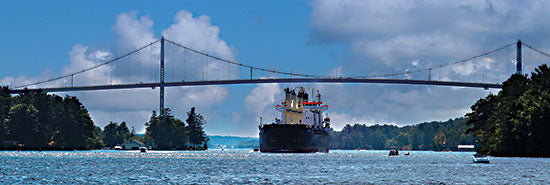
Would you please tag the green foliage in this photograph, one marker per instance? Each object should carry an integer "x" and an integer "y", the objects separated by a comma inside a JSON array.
[
  {"x": 97, "y": 140},
  {"x": 425, "y": 136},
  {"x": 23, "y": 125},
  {"x": 515, "y": 121},
  {"x": 167, "y": 132},
  {"x": 114, "y": 134},
  {"x": 75, "y": 128},
  {"x": 5, "y": 105},
  {"x": 197, "y": 136},
  {"x": 39, "y": 120}
]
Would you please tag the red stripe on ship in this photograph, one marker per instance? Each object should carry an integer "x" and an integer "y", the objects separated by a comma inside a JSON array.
[{"x": 305, "y": 103}]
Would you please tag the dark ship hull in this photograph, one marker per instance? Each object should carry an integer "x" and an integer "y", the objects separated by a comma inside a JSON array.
[{"x": 293, "y": 138}]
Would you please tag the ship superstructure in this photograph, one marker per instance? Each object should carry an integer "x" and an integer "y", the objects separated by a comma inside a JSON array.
[{"x": 301, "y": 128}]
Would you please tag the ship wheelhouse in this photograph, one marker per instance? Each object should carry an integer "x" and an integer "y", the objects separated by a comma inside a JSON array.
[{"x": 297, "y": 108}]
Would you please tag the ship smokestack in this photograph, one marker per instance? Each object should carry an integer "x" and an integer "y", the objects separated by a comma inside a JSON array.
[
  {"x": 318, "y": 96},
  {"x": 287, "y": 114}
]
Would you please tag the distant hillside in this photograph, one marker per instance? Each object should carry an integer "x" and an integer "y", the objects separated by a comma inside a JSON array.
[{"x": 231, "y": 141}]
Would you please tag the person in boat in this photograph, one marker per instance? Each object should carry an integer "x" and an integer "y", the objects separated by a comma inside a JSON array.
[{"x": 393, "y": 152}]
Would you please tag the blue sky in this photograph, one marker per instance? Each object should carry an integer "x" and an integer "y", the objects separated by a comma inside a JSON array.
[
  {"x": 268, "y": 32},
  {"x": 47, "y": 39}
]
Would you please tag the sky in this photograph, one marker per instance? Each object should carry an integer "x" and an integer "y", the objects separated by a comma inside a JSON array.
[{"x": 41, "y": 40}]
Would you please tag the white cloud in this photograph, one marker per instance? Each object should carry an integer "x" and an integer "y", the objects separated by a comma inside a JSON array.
[
  {"x": 385, "y": 36},
  {"x": 261, "y": 100},
  {"x": 339, "y": 120},
  {"x": 135, "y": 105},
  {"x": 415, "y": 62},
  {"x": 13, "y": 81},
  {"x": 399, "y": 49},
  {"x": 198, "y": 33},
  {"x": 102, "y": 55},
  {"x": 133, "y": 32},
  {"x": 206, "y": 97},
  {"x": 347, "y": 20},
  {"x": 81, "y": 58}
]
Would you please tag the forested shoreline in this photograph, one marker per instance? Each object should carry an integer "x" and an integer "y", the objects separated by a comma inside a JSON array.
[
  {"x": 36, "y": 120},
  {"x": 40, "y": 121},
  {"x": 516, "y": 121},
  {"x": 435, "y": 135}
]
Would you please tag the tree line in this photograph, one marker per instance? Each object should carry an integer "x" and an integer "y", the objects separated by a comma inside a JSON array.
[
  {"x": 446, "y": 135},
  {"x": 516, "y": 121},
  {"x": 35, "y": 120}
]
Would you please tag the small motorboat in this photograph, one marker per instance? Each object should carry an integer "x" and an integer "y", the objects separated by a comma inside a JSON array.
[
  {"x": 118, "y": 147},
  {"x": 480, "y": 159},
  {"x": 407, "y": 153},
  {"x": 142, "y": 149},
  {"x": 393, "y": 153}
]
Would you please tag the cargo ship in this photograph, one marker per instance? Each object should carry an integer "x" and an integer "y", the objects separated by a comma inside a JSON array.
[{"x": 301, "y": 128}]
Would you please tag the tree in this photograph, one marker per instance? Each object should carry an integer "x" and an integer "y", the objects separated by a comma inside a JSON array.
[
  {"x": 110, "y": 136},
  {"x": 123, "y": 131},
  {"x": 75, "y": 126},
  {"x": 40, "y": 120},
  {"x": 114, "y": 134},
  {"x": 166, "y": 132},
  {"x": 5, "y": 105},
  {"x": 403, "y": 139},
  {"x": 535, "y": 117},
  {"x": 440, "y": 140},
  {"x": 97, "y": 139},
  {"x": 197, "y": 136},
  {"x": 43, "y": 103},
  {"x": 515, "y": 121},
  {"x": 23, "y": 125}
]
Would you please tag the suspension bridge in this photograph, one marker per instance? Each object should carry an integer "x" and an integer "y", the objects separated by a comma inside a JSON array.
[{"x": 192, "y": 67}]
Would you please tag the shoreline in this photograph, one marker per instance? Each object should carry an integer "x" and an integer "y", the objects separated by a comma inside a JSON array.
[{"x": 37, "y": 150}]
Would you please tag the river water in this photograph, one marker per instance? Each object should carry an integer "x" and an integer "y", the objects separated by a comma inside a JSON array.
[{"x": 245, "y": 166}]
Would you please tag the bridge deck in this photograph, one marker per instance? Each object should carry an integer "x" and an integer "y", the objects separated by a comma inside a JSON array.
[{"x": 258, "y": 81}]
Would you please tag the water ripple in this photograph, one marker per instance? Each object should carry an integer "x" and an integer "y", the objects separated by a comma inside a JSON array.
[{"x": 246, "y": 167}]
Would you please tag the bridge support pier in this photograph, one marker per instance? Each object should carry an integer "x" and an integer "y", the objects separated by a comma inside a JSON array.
[
  {"x": 518, "y": 59},
  {"x": 161, "y": 103}
]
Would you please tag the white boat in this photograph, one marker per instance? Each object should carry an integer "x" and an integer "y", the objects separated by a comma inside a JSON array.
[
  {"x": 480, "y": 159},
  {"x": 118, "y": 147}
]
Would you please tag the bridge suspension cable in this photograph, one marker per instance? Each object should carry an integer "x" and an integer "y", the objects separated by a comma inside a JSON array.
[
  {"x": 276, "y": 71},
  {"x": 440, "y": 66},
  {"x": 537, "y": 50},
  {"x": 239, "y": 64},
  {"x": 90, "y": 68}
]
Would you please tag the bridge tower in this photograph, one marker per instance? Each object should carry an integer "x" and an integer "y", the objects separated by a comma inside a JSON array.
[
  {"x": 518, "y": 60},
  {"x": 161, "y": 103}
]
